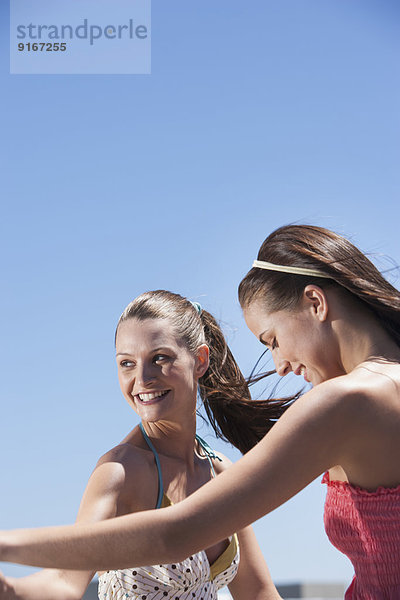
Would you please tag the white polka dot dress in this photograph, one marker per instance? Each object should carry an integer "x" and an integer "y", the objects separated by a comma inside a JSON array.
[{"x": 192, "y": 579}]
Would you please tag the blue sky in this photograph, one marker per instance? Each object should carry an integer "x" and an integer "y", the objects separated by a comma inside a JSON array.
[{"x": 253, "y": 117}]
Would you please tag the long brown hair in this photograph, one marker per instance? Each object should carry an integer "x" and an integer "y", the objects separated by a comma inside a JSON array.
[
  {"x": 318, "y": 248},
  {"x": 234, "y": 416}
]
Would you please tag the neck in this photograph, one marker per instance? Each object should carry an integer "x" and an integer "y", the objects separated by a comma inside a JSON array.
[
  {"x": 367, "y": 341},
  {"x": 173, "y": 439},
  {"x": 359, "y": 333}
]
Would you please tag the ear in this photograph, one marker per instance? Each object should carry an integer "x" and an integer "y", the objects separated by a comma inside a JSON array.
[
  {"x": 316, "y": 300},
  {"x": 202, "y": 360}
]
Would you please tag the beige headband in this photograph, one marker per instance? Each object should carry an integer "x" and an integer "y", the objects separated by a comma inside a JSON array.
[{"x": 261, "y": 264}]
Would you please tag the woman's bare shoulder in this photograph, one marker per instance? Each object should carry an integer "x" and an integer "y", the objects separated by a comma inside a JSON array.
[
  {"x": 367, "y": 384},
  {"x": 371, "y": 387},
  {"x": 344, "y": 411},
  {"x": 126, "y": 454},
  {"x": 336, "y": 395},
  {"x": 126, "y": 469},
  {"x": 377, "y": 377}
]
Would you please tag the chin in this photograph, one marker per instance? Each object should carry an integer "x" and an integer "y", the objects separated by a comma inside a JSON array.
[
  {"x": 317, "y": 379},
  {"x": 322, "y": 379}
]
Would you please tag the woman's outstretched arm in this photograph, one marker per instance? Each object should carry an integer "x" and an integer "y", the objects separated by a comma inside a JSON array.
[
  {"x": 310, "y": 437},
  {"x": 99, "y": 502}
]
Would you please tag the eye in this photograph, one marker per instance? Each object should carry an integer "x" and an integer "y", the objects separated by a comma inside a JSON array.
[
  {"x": 270, "y": 345},
  {"x": 126, "y": 363},
  {"x": 160, "y": 358}
]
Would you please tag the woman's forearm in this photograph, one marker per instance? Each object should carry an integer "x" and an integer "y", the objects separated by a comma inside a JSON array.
[
  {"x": 158, "y": 536},
  {"x": 149, "y": 537},
  {"x": 282, "y": 464},
  {"x": 100, "y": 546},
  {"x": 132, "y": 540}
]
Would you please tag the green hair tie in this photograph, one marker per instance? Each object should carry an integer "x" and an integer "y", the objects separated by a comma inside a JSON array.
[{"x": 197, "y": 306}]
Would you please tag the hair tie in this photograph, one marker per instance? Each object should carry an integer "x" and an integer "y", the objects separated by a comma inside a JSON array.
[
  {"x": 262, "y": 264},
  {"x": 197, "y": 306}
]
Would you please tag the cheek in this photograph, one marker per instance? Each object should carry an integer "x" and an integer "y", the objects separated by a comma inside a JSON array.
[
  {"x": 317, "y": 356},
  {"x": 181, "y": 375},
  {"x": 123, "y": 381},
  {"x": 169, "y": 370},
  {"x": 181, "y": 369},
  {"x": 120, "y": 379}
]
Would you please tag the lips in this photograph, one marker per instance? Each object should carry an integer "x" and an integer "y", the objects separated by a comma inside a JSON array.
[
  {"x": 151, "y": 397},
  {"x": 303, "y": 372}
]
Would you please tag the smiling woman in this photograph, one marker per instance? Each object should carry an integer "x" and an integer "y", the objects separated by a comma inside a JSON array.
[
  {"x": 296, "y": 311},
  {"x": 166, "y": 348},
  {"x": 326, "y": 313}
]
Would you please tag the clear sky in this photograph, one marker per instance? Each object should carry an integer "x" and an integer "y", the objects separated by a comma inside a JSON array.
[{"x": 255, "y": 115}]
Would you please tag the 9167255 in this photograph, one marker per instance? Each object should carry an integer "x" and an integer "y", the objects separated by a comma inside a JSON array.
[{"x": 42, "y": 47}]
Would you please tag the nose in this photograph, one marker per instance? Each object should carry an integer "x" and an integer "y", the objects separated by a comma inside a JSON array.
[
  {"x": 144, "y": 375},
  {"x": 282, "y": 366}
]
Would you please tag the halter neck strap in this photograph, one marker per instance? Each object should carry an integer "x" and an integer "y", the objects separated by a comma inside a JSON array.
[
  {"x": 160, "y": 481},
  {"x": 209, "y": 452}
]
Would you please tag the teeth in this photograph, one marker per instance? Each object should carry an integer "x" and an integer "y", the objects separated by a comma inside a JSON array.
[
  {"x": 302, "y": 371},
  {"x": 147, "y": 397}
]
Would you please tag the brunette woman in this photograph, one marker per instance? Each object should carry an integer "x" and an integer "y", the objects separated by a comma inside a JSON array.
[
  {"x": 166, "y": 347},
  {"x": 328, "y": 315}
]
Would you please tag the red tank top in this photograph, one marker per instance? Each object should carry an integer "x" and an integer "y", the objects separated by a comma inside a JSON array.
[{"x": 366, "y": 527}]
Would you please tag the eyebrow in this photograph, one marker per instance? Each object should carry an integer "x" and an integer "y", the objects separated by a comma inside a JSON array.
[{"x": 151, "y": 351}]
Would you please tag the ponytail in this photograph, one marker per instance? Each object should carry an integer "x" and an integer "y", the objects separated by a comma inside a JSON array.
[{"x": 225, "y": 393}]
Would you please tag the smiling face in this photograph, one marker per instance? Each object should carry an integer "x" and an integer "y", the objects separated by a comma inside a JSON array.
[
  {"x": 301, "y": 341},
  {"x": 157, "y": 373}
]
